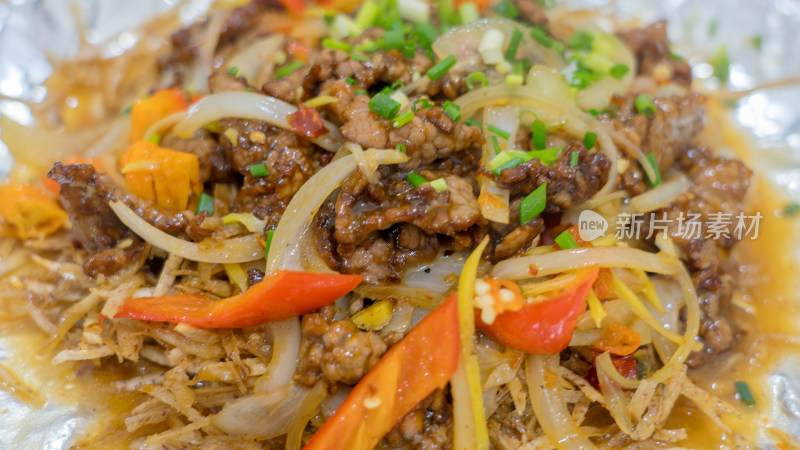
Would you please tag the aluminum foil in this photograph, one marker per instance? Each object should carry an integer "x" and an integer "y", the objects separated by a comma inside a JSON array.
[{"x": 760, "y": 37}]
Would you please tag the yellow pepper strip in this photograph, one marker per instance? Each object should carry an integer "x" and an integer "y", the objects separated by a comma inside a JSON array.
[
  {"x": 236, "y": 273},
  {"x": 159, "y": 174},
  {"x": 373, "y": 317},
  {"x": 465, "y": 385},
  {"x": 149, "y": 110},
  {"x": 596, "y": 309},
  {"x": 625, "y": 293},
  {"x": 649, "y": 291},
  {"x": 28, "y": 212}
]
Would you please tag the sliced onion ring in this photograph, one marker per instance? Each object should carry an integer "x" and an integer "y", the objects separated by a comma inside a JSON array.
[{"x": 234, "y": 250}]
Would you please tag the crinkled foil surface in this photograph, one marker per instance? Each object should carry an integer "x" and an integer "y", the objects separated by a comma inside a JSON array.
[{"x": 32, "y": 32}]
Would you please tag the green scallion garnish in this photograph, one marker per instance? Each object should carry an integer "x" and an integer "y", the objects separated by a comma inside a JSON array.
[
  {"x": 533, "y": 205},
  {"x": 721, "y": 64},
  {"x": 403, "y": 119},
  {"x": 400, "y": 147},
  {"x": 513, "y": 45},
  {"x": 496, "y": 145},
  {"x": 155, "y": 138},
  {"x": 644, "y": 104},
  {"x": 581, "y": 40},
  {"x": 743, "y": 393},
  {"x": 507, "y": 9},
  {"x": 258, "y": 170},
  {"x": 359, "y": 57},
  {"x": 619, "y": 71},
  {"x": 452, "y": 110},
  {"x": 566, "y": 241},
  {"x": 468, "y": 12},
  {"x": 351, "y": 81},
  {"x": 589, "y": 139},
  {"x": 384, "y": 106},
  {"x": 422, "y": 103},
  {"x": 472, "y": 122},
  {"x": 287, "y": 69},
  {"x": 441, "y": 68},
  {"x": 511, "y": 163},
  {"x": 439, "y": 185},
  {"x": 573, "y": 159},
  {"x": 361, "y": 92},
  {"x": 500, "y": 132},
  {"x": 652, "y": 160},
  {"x": 539, "y": 131},
  {"x": 233, "y": 70},
  {"x": 205, "y": 203},
  {"x": 791, "y": 210},
  {"x": 476, "y": 80},
  {"x": 416, "y": 179},
  {"x": 539, "y": 34},
  {"x": 268, "y": 242},
  {"x": 336, "y": 45}
]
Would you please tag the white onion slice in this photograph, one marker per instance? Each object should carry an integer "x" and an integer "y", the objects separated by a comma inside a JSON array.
[
  {"x": 659, "y": 196},
  {"x": 234, "y": 250},
  {"x": 248, "y": 105},
  {"x": 255, "y": 62}
]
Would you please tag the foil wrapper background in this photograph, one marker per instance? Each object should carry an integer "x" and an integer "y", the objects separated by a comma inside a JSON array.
[{"x": 32, "y": 33}]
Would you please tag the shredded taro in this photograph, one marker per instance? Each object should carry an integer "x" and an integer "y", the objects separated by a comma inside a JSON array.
[{"x": 357, "y": 228}]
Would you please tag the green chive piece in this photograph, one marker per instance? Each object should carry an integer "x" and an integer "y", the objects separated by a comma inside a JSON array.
[
  {"x": 547, "y": 156},
  {"x": 589, "y": 139},
  {"x": 513, "y": 45},
  {"x": 573, "y": 159},
  {"x": 500, "y": 132},
  {"x": 619, "y": 71},
  {"x": 511, "y": 163},
  {"x": 566, "y": 241},
  {"x": 539, "y": 34},
  {"x": 439, "y": 184},
  {"x": 400, "y": 147},
  {"x": 359, "y": 57},
  {"x": 416, "y": 179},
  {"x": 287, "y": 69},
  {"x": 496, "y": 145},
  {"x": 506, "y": 9},
  {"x": 336, "y": 45},
  {"x": 422, "y": 103},
  {"x": 361, "y": 92},
  {"x": 581, "y": 40},
  {"x": 351, "y": 81},
  {"x": 533, "y": 205},
  {"x": 721, "y": 64},
  {"x": 436, "y": 72},
  {"x": 155, "y": 138},
  {"x": 452, "y": 110},
  {"x": 743, "y": 393},
  {"x": 675, "y": 57},
  {"x": 712, "y": 28},
  {"x": 403, "y": 119},
  {"x": 384, "y": 106},
  {"x": 205, "y": 203},
  {"x": 468, "y": 12},
  {"x": 368, "y": 14},
  {"x": 610, "y": 110},
  {"x": 233, "y": 70},
  {"x": 248, "y": 89},
  {"x": 791, "y": 210},
  {"x": 127, "y": 110},
  {"x": 652, "y": 160},
  {"x": 476, "y": 80},
  {"x": 472, "y": 122},
  {"x": 758, "y": 42},
  {"x": 268, "y": 242},
  {"x": 594, "y": 112},
  {"x": 258, "y": 170},
  {"x": 644, "y": 104},
  {"x": 539, "y": 131}
]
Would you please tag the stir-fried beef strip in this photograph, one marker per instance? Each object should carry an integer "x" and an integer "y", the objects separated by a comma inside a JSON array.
[{"x": 653, "y": 56}]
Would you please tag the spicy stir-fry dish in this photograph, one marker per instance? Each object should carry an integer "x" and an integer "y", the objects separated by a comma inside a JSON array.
[{"x": 384, "y": 224}]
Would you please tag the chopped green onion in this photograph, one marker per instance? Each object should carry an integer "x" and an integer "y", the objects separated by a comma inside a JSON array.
[
  {"x": 248, "y": 89},
  {"x": 258, "y": 170},
  {"x": 573, "y": 159},
  {"x": 566, "y": 241},
  {"x": 539, "y": 131},
  {"x": 452, "y": 110},
  {"x": 500, "y": 132},
  {"x": 359, "y": 57},
  {"x": 472, "y": 122},
  {"x": 642, "y": 369},
  {"x": 476, "y": 79},
  {"x": 344, "y": 26},
  {"x": 268, "y": 242},
  {"x": 581, "y": 40},
  {"x": 610, "y": 110},
  {"x": 721, "y": 64},
  {"x": 496, "y": 145},
  {"x": 393, "y": 39},
  {"x": 336, "y": 45},
  {"x": 403, "y": 119},
  {"x": 712, "y": 28},
  {"x": 416, "y": 11},
  {"x": 743, "y": 393},
  {"x": 205, "y": 203},
  {"x": 516, "y": 39},
  {"x": 791, "y": 210},
  {"x": 155, "y": 138},
  {"x": 351, "y": 81},
  {"x": 652, "y": 160},
  {"x": 593, "y": 112},
  {"x": 441, "y": 68},
  {"x": 533, "y": 205},
  {"x": 589, "y": 139},
  {"x": 619, "y": 71},
  {"x": 675, "y": 57},
  {"x": 367, "y": 14},
  {"x": 361, "y": 92},
  {"x": 383, "y": 105},
  {"x": 506, "y": 9},
  {"x": 468, "y": 12},
  {"x": 289, "y": 68},
  {"x": 644, "y": 104},
  {"x": 422, "y": 103},
  {"x": 447, "y": 14},
  {"x": 547, "y": 156},
  {"x": 513, "y": 162},
  {"x": 439, "y": 184},
  {"x": 539, "y": 34},
  {"x": 127, "y": 110},
  {"x": 416, "y": 179},
  {"x": 758, "y": 42},
  {"x": 233, "y": 70},
  {"x": 400, "y": 147},
  {"x": 425, "y": 34}
]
